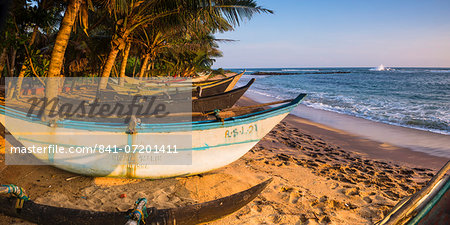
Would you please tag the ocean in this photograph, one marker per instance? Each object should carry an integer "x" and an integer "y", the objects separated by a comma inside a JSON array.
[{"x": 417, "y": 98}]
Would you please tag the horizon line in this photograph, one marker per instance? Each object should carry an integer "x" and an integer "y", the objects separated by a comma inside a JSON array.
[{"x": 306, "y": 67}]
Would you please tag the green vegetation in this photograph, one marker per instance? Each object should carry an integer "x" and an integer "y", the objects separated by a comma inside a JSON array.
[{"x": 102, "y": 38}]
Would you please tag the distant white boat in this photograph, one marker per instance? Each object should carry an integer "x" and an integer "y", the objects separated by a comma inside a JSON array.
[{"x": 381, "y": 68}]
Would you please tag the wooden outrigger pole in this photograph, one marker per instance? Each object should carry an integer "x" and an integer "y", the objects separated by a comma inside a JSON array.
[
  {"x": 409, "y": 210},
  {"x": 186, "y": 215}
]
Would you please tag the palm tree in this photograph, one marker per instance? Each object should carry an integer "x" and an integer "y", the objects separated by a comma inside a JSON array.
[
  {"x": 62, "y": 38},
  {"x": 151, "y": 44},
  {"x": 43, "y": 16},
  {"x": 130, "y": 15},
  {"x": 11, "y": 39},
  {"x": 216, "y": 15},
  {"x": 59, "y": 48},
  {"x": 18, "y": 88},
  {"x": 123, "y": 65}
]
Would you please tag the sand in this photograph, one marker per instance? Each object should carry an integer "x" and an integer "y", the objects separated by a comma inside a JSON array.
[{"x": 321, "y": 176}]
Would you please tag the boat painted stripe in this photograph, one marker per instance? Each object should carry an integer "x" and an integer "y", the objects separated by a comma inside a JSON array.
[
  {"x": 129, "y": 140},
  {"x": 166, "y": 127},
  {"x": 51, "y": 156},
  {"x": 430, "y": 205},
  {"x": 294, "y": 102},
  {"x": 203, "y": 148},
  {"x": 171, "y": 127},
  {"x": 146, "y": 128}
]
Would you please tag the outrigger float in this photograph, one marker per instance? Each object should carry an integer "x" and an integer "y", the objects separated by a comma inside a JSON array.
[
  {"x": 164, "y": 80},
  {"x": 430, "y": 205},
  {"x": 20, "y": 206},
  {"x": 188, "y": 88}
]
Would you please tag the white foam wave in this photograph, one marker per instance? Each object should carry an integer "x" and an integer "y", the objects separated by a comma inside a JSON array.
[
  {"x": 438, "y": 71},
  {"x": 381, "y": 68},
  {"x": 347, "y": 106},
  {"x": 341, "y": 110},
  {"x": 299, "y": 70}
]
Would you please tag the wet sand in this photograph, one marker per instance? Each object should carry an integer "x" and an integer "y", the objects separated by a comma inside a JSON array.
[
  {"x": 365, "y": 145},
  {"x": 321, "y": 176},
  {"x": 431, "y": 143}
]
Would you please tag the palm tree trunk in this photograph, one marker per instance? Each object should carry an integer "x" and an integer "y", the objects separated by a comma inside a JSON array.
[
  {"x": 11, "y": 66},
  {"x": 18, "y": 88},
  {"x": 135, "y": 65},
  {"x": 144, "y": 66},
  {"x": 2, "y": 60},
  {"x": 123, "y": 66},
  {"x": 108, "y": 67},
  {"x": 149, "y": 67},
  {"x": 59, "y": 49},
  {"x": 62, "y": 38},
  {"x": 115, "y": 73}
]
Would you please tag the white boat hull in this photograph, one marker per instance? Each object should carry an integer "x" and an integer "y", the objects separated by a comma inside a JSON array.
[{"x": 210, "y": 146}]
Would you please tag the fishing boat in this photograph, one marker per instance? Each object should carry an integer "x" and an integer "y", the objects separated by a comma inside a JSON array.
[
  {"x": 165, "y": 81},
  {"x": 220, "y": 101},
  {"x": 203, "y": 89},
  {"x": 203, "y": 145},
  {"x": 430, "y": 205},
  {"x": 210, "y": 81},
  {"x": 201, "y": 77},
  {"x": 156, "y": 81},
  {"x": 185, "y": 215},
  {"x": 202, "y": 104}
]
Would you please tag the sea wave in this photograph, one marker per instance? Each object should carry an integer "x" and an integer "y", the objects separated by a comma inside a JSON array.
[
  {"x": 374, "y": 109},
  {"x": 410, "y": 70},
  {"x": 439, "y": 71},
  {"x": 410, "y": 97},
  {"x": 299, "y": 70},
  {"x": 425, "y": 125}
]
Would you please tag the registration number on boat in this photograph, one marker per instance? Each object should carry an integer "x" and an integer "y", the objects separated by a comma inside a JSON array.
[{"x": 243, "y": 130}]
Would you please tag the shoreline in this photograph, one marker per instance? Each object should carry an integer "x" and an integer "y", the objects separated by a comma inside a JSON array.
[
  {"x": 360, "y": 144},
  {"x": 430, "y": 143}
]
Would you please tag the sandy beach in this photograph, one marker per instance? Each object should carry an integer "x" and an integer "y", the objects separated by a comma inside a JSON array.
[
  {"x": 179, "y": 93},
  {"x": 321, "y": 175}
]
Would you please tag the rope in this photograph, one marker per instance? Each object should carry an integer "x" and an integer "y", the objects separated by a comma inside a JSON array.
[
  {"x": 139, "y": 213},
  {"x": 17, "y": 192}
]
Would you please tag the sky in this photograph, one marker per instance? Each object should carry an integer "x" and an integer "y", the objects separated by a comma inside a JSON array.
[{"x": 341, "y": 33}]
